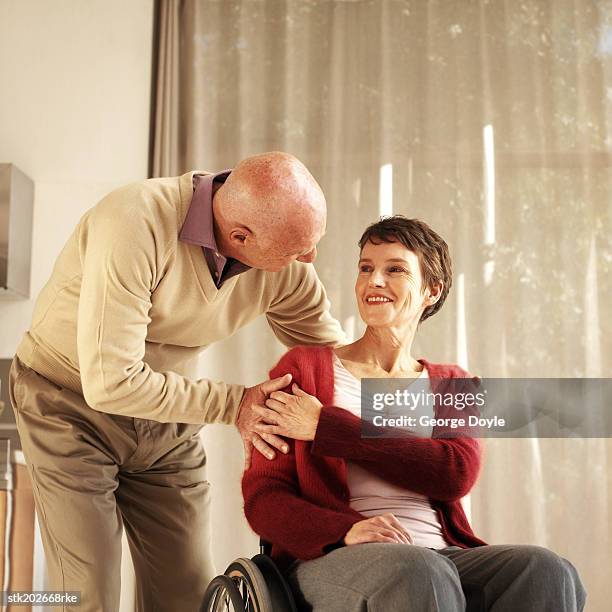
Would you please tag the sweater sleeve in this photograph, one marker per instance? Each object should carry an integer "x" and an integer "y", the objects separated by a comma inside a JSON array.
[
  {"x": 123, "y": 258},
  {"x": 275, "y": 508},
  {"x": 442, "y": 469},
  {"x": 276, "y": 511},
  {"x": 300, "y": 313}
]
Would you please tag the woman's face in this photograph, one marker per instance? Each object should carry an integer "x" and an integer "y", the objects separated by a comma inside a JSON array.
[{"x": 389, "y": 285}]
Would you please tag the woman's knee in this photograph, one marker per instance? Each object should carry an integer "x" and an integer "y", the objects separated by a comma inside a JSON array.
[
  {"x": 548, "y": 568},
  {"x": 543, "y": 562}
]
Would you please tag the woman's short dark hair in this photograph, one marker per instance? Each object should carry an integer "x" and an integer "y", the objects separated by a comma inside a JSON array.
[{"x": 429, "y": 247}]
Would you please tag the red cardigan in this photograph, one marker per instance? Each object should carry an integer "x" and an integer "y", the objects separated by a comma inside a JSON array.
[{"x": 300, "y": 501}]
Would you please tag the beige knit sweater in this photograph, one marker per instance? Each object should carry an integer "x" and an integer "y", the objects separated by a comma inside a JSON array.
[{"x": 128, "y": 308}]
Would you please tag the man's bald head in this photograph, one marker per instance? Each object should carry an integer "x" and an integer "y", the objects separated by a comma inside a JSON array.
[{"x": 270, "y": 211}]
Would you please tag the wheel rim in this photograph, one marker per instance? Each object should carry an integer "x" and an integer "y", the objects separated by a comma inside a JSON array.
[
  {"x": 251, "y": 584},
  {"x": 281, "y": 597},
  {"x": 249, "y": 600},
  {"x": 222, "y": 595}
]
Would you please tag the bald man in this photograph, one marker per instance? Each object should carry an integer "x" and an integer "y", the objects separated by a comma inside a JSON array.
[{"x": 106, "y": 397}]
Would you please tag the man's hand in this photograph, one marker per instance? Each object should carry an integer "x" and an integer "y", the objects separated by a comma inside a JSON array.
[
  {"x": 293, "y": 416},
  {"x": 248, "y": 418},
  {"x": 383, "y": 528}
]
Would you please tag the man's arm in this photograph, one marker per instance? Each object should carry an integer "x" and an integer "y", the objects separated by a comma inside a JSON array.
[
  {"x": 123, "y": 259},
  {"x": 299, "y": 314}
]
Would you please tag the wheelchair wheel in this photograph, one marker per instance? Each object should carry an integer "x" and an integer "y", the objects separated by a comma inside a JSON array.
[
  {"x": 222, "y": 595},
  {"x": 252, "y": 586},
  {"x": 281, "y": 597}
]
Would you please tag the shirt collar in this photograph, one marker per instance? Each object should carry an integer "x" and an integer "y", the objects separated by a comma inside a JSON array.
[{"x": 198, "y": 227}]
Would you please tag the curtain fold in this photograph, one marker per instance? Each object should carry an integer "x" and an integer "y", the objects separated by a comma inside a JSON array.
[
  {"x": 166, "y": 134},
  {"x": 490, "y": 120}
]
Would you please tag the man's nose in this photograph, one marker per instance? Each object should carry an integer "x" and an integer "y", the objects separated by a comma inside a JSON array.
[{"x": 308, "y": 257}]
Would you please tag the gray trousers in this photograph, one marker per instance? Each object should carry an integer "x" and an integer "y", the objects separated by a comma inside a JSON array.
[{"x": 404, "y": 578}]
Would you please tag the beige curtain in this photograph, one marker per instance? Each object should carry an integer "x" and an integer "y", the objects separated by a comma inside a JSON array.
[{"x": 491, "y": 120}]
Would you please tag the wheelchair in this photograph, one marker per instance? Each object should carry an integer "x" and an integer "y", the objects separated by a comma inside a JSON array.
[{"x": 250, "y": 585}]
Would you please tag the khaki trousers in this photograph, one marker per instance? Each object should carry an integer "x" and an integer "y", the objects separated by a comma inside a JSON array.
[{"x": 95, "y": 473}]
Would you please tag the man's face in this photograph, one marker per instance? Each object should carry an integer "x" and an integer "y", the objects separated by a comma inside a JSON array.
[
  {"x": 273, "y": 256},
  {"x": 272, "y": 249}
]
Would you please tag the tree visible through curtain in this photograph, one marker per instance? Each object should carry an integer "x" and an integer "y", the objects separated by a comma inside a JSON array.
[{"x": 490, "y": 120}]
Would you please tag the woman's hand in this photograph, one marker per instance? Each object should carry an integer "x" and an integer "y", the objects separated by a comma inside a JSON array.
[
  {"x": 293, "y": 416},
  {"x": 383, "y": 528}
]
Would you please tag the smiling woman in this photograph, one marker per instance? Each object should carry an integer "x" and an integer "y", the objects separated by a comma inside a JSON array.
[
  {"x": 389, "y": 285},
  {"x": 380, "y": 520},
  {"x": 415, "y": 250}
]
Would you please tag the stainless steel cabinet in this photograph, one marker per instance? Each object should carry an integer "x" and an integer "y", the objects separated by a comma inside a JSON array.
[{"x": 16, "y": 208}]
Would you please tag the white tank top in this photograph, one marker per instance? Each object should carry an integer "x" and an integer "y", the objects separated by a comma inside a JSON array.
[{"x": 371, "y": 495}]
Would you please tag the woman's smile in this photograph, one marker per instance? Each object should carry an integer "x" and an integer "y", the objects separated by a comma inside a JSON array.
[{"x": 376, "y": 299}]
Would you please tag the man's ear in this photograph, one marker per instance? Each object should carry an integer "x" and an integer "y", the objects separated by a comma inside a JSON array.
[{"x": 239, "y": 236}]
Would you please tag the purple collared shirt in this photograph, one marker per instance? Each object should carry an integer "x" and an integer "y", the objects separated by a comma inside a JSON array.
[{"x": 198, "y": 228}]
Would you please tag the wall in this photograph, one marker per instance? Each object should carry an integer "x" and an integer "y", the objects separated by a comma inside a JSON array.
[{"x": 74, "y": 116}]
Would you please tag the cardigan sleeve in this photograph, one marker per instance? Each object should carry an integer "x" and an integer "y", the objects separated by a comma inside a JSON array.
[
  {"x": 273, "y": 504},
  {"x": 276, "y": 511},
  {"x": 442, "y": 469}
]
